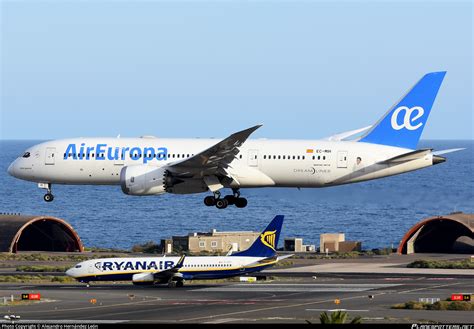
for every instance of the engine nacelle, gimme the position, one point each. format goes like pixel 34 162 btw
pixel 143 279
pixel 143 180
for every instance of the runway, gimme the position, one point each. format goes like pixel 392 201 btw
pixel 285 300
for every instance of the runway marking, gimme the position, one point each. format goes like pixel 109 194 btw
pixel 430 287
pixel 277 307
pixel 300 304
pixel 95 307
pixel 334 310
pixel 218 321
pixel 297 288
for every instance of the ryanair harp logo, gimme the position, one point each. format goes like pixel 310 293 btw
pixel 268 239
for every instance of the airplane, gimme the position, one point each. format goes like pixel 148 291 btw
pixel 155 166
pixel 175 270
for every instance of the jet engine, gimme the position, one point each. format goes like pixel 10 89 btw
pixel 143 180
pixel 143 279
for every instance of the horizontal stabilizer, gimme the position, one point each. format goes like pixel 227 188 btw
pixel 280 258
pixel 407 156
pixel 447 151
pixel 346 134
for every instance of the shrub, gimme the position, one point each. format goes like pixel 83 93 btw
pixel 149 247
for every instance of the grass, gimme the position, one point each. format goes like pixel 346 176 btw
pixel 50 258
pixel 438 306
pixel 42 268
pixel 38 278
pixel 450 264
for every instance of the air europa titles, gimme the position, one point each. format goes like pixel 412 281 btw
pixel 105 152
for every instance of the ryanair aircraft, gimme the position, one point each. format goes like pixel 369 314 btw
pixel 175 270
pixel 154 166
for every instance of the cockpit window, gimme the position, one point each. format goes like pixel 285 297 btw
pixel 78 266
pixel 26 155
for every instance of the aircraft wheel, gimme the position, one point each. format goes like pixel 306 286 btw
pixel 241 202
pixel 48 197
pixel 172 284
pixel 221 203
pixel 210 201
pixel 179 284
pixel 230 199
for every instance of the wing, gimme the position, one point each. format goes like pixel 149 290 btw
pixel 214 160
pixel 171 272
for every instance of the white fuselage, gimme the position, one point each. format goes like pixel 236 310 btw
pixel 142 269
pixel 260 162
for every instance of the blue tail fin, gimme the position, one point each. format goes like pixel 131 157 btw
pixel 265 245
pixel 403 124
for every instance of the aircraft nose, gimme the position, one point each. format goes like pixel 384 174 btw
pixel 11 169
pixel 70 272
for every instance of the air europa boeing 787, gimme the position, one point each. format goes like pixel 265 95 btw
pixel 154 166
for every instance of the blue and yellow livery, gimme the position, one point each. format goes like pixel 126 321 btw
pixel 175 270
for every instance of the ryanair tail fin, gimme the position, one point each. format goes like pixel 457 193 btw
pixel 403 124
pixel 265 245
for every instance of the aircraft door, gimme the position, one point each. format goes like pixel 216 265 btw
pixel 253 158
pixel 49 157
pixel 90 269
pixel 342 159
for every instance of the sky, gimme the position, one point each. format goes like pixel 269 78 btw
pixel 303 69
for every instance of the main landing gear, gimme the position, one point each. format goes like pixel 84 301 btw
pixel 175 284
pixel 48 197
pixel 228 200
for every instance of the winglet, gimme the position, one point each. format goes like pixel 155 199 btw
pixel 180 262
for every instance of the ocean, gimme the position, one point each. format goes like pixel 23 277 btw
pixel 377 212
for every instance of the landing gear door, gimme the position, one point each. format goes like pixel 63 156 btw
pixel 342 159
pixel 253 158
pixel 49 156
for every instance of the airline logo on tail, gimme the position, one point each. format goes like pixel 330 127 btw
pixel 268 239
pixel 408 119
pixel 403 124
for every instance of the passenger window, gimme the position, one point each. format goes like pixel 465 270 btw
pixel 298 157
pixel 324 157
pixel 264 157
pixel 284 157
pixel 303 157
pixel 279 157
pixel 294 157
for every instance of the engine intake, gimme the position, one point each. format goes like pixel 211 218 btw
pixel 143 180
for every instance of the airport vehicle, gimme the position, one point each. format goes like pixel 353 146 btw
pixel 175 270
pixel 155 166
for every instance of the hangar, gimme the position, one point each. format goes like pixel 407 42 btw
pixel 37 233
pixel 453 233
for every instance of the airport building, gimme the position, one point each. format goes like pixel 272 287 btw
pixel 452 233
pixel 335 242
pixel 296 245
pixel 214 241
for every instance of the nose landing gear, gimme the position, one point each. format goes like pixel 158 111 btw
pixel 48 197
pixel 222 203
